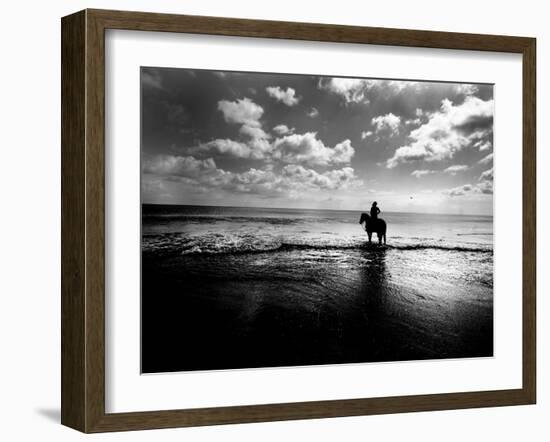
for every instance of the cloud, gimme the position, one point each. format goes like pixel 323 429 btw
pixel 486 159
pixel 460 190
pixel 487 175
pixel 329 180
pixel 418 120
pixel 483 145
pixel 484 186
pixel 282 129
pixel 291 179
pixel 255 148
pixel 290 148
pixel 449 130
pixel 253 132
pixel 257 144
pixel 287 97
pixel 357 90
pixel 352 90
pixel 241 111
pixel 308 149
pixel 453 170
pixel 312 113
pixel 366 134
pixel 388 122
pixel 421 173
pixel 466 89
pixel 187 166
pixel 395 87
pixel 247 113
pixel 224 146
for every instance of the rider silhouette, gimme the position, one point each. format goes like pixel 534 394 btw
pixel 374 210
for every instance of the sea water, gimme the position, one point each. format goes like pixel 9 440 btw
pixel 309 284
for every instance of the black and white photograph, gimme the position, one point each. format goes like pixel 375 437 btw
pixel 296 220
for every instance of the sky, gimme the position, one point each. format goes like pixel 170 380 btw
pixel 309 141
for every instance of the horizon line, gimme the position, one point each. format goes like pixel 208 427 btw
pixel 311 208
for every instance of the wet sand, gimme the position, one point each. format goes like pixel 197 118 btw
pixel 308 307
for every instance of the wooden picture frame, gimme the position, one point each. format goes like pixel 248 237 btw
pixel 83 220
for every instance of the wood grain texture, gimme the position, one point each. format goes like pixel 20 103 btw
pixel 73 258
pixel 83 220
pixel 145 21
pixel 95 222
pixel 530 220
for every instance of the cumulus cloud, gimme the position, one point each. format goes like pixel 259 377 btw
pixel 357 90
pixel 388 122
pixel 453 170
pixel 466 89
pixel 487 175
pixel 484 186
pixel 308 149
pixel 483 145
pixel 242 111
pixel 247 113
pixel 224 146
pixel 254 148
pixel 366 134
pixel 449 130
pixel 290 148
pixel 394 87
pixel 291 178
pixel 329 180
pixel 486 159
pixel 460 190
pixel 257 144
pixel 282 129
pixel 253 132
pixel 352 90
pixel 312 113
pixel 287 96
pixel 421 173
pixel 187 166
pixel 419 116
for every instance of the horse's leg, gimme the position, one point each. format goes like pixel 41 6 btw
pixel 379 238
pixel 370 235
pixel 384 238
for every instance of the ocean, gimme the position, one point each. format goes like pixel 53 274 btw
pixel 235 287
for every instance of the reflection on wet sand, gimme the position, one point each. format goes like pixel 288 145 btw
pixel 308 307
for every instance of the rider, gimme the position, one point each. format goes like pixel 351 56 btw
pixel 374 210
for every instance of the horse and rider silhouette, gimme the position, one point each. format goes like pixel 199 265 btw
pixel 374 224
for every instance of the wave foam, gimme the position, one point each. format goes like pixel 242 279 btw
pixel 214 244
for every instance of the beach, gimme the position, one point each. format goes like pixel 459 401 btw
pixel 228 288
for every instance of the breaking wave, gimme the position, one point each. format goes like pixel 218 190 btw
pixel 217 243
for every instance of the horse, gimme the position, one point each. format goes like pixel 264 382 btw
pixel 374 225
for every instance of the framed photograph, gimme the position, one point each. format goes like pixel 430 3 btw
pixel 268 220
